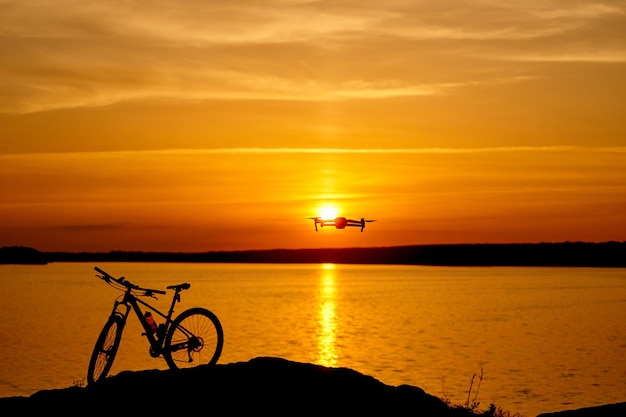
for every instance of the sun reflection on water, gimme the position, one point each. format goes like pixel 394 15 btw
pixel 327 333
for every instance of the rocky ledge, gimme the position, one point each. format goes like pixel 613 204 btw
pixel 261 386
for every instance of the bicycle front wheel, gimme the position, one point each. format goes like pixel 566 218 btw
pixel 194 338
pixel 105 349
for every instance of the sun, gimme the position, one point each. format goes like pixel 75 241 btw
pixel 328 211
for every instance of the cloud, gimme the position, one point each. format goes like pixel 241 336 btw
pixel 62 54
pixel 277 151
pixel 91 227
pixel 503 149
pixel 599 57
pixel 582 10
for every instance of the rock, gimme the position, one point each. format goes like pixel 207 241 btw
pixel 609 410
pixel 261 385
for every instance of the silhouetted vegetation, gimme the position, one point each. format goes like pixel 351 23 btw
pixel 606 254
pixel 472 406
pixel 22 255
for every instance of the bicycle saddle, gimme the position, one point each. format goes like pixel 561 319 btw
pixel 179 287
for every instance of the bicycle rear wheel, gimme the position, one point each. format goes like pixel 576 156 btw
pixel 105 349
pixel 194 338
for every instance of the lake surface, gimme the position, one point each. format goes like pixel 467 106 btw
pixel 546 339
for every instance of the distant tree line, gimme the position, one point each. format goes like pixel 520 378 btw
pixel 22 255
pixel 606 254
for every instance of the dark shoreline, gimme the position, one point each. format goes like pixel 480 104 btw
pixel 572 254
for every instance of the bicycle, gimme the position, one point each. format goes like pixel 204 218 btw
pixel 193 338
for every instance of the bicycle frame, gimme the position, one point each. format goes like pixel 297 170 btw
pixel 154 338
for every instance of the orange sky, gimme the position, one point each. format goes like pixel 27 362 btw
pixel 195 125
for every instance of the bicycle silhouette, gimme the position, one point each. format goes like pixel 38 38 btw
pixel 193 338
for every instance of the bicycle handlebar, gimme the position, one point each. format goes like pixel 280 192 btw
pixel 122 281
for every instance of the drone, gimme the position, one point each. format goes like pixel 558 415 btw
pixel 340 222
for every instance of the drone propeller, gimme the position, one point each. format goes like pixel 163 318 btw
pixel 316 220
pixel 363 221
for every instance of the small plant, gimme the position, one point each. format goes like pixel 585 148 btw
pixel 79 383
pixel 494 411
pixel 473 406
pixel 471 403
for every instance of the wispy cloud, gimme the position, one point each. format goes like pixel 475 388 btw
pixel 404 150
pixel 67 88
pixel 338 151
pixel 91 227
pixel 600 57
pixel 61 54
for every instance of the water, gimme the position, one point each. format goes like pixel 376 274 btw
pixel 546 339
